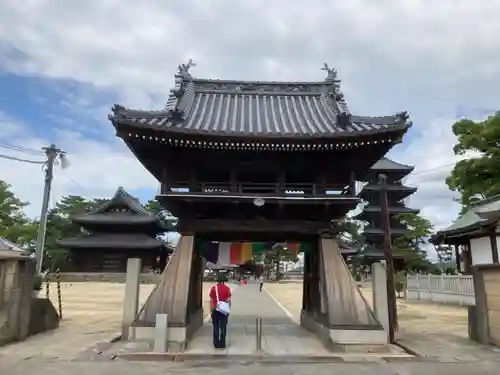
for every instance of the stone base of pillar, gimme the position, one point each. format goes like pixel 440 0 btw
pixel 336 338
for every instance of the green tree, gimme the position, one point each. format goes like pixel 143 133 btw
pixel 354 230
pixel 14 225
pixel 476 177
pixel 277 255
pixel 411 245
pixel 59 226
pixel 156 208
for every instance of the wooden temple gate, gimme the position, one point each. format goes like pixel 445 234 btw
pixel 260 161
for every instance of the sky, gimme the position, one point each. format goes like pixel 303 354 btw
pixel 63 64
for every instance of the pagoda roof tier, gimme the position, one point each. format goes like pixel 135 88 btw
pixel 112 241
pixel 254 110
pixel 121 209
pixel 377 234
pixel 369 211
pixel 374 253
pixel 394 191
pixel 388 165
pixel 394 170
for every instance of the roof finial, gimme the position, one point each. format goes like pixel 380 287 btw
pixel 184 68
pixel 332 73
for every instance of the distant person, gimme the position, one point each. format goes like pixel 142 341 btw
pixel 261 282
pixel 220 303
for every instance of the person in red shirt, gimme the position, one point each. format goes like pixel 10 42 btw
pixel 219 319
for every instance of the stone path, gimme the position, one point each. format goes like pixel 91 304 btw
pixel 280 334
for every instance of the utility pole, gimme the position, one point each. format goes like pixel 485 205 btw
pixel 387 246
pixel 52 153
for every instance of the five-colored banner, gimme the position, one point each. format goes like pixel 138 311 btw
pixel 225 253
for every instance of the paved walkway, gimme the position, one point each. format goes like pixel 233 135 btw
pixel 280 334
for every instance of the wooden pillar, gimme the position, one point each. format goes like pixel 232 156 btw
pixel 391 292
pixel 306 282
pixel 458 258
pixel 467 258
pixel 493 245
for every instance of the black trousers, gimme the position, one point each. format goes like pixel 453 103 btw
pixel 219 321
pixel 260 287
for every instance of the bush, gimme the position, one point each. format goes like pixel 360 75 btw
pixel 37 283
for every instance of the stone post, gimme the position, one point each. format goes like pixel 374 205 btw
pixel 161 334
pixel 484 317
pixel 131 300
pixel 379 290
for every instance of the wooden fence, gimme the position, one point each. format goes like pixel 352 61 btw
pixel 452 289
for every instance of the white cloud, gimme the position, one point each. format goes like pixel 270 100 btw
pixel 427 57
pixel 97 167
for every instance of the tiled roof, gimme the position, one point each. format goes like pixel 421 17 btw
pixel 5 244
pixel 386 164
pixel 475 217
pixel 117 241
pixel 121 197
pixel 265 109
pixel 397 191
pixel 392 210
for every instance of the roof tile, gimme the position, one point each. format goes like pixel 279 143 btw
pixel 300 109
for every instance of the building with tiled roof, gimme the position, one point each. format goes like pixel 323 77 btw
pixel 120 229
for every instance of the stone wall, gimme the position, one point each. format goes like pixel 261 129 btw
pixel 484 319
pixel 16 286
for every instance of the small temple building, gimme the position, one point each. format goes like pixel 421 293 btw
pixel 397 192
pixel 120 229
pixel 475 235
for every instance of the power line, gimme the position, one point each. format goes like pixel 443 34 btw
pixel 21 149
pixel 72 180
pixel 433 169
pixel 8 157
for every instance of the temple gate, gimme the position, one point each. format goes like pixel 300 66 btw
pixel 260 161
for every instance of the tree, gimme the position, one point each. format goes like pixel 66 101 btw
pixel 410 246
pixel 476 177
pixel 278 254
pixel 14 225
pixel 156 208
pixel 354 230
pixel 59 226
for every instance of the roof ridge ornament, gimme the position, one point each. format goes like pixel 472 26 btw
pixel 184 68
pixel 332 72
pixel 334 93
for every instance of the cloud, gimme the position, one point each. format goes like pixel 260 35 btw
pixel 433 59
pixel 96 169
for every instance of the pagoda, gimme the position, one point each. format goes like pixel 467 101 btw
pixel 120 229
pixel 397 192
pixel 260 161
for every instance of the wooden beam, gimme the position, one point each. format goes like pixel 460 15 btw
pixel 201 226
